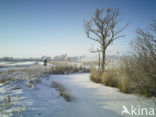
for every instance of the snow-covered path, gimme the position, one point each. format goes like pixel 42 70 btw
pixel 96 100
pixel 90 99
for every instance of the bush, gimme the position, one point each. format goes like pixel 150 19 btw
pixel 139 78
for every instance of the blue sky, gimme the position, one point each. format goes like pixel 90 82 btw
pixel 33 28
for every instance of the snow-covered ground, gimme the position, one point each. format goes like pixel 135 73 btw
pixel 96 100
pixel 17 63
pixel 90 99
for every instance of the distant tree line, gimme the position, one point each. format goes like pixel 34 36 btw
pixel 64 57
pixel 11 59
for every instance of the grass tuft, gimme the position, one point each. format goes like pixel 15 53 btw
pixel 63 92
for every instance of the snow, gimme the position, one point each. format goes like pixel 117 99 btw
pixel 90 99
pixel 24 63
pixel 98 100
pixel 17 63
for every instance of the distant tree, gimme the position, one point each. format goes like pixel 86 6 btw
pixel 99 56
pixel 62 57
pixel 102 28
pixel 7 59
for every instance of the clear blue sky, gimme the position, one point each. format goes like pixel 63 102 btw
pixel 33 28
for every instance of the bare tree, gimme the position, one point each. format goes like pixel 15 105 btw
pixel 102 28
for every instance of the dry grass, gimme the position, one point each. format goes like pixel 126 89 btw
pixel 67 69
pixel 6 102
pixel 130 77
pixel 3 80
pixel 63 92
pixel 112 77
pixel 124 84
pixel 109 77
pixel 58 63
pixel 96 75
pixel 62 70
pixel 31 75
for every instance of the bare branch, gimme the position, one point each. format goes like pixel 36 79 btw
pixel 103 26
pixel 95 51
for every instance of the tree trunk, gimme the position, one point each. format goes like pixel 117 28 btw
pixel 103 60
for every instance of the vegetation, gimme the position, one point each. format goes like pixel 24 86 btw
pixel 67 69
pixel 102 28
pixel 3 80
pixel 141 66
pixel 112 77
pixel 63 92
pixel 10 59
pixel 64 57
pixel 137 72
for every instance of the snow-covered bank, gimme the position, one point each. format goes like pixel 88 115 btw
pixel 4 66
pixel 90 99
pixel 96 100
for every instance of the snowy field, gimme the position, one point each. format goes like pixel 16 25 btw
pixel 4 66
pixel 90 99
pixel 17 63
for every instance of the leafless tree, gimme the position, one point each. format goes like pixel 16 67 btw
pixel 102 28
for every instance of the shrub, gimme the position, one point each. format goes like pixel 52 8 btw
pixel 140 80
